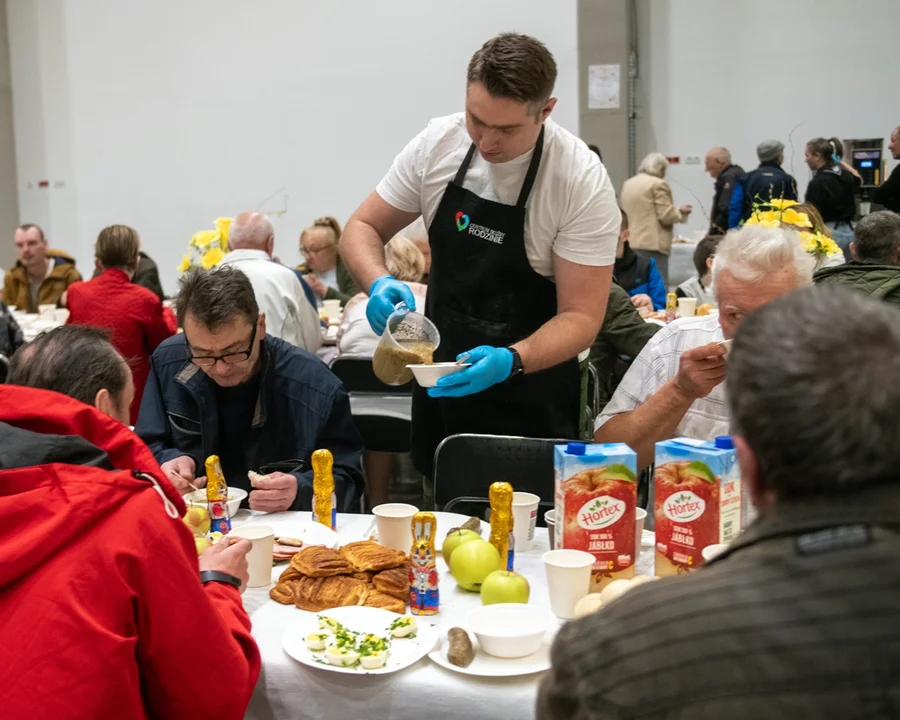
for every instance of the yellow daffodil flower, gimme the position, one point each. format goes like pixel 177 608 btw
pixel 185 264
pixel 223 225
pixel 764 222
pixel 212 258
pixel 204 238
pixel 782 204
pixel 797 219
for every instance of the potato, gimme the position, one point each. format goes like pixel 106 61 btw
pixel 587 605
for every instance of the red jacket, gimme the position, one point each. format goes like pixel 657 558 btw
pixel 135 316
pixel 102 614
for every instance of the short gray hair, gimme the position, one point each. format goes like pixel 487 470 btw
pixel 813 387
pixel 877 237
pixel 216 297
pixel 654 164
pixel 754 251
pixel 721 153
pixel 250 230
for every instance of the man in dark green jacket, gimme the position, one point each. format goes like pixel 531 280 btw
pixel 624 333
pixel 875 269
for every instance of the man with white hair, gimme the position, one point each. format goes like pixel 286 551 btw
pixel 674 387
pixel 727 176
pixel 278 292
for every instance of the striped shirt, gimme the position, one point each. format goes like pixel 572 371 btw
pixel 658 364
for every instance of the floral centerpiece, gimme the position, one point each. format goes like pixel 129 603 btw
pixel 777 213
pixel 207 248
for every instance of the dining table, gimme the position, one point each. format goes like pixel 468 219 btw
pixel 289 690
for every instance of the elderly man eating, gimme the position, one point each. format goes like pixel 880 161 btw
pixel 674 387
pixel 224 387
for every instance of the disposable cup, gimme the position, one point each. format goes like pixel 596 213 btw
pixel 568 579
pixel 525 510
pixel 550 519
pixel 394 523
pixel 687 307
pixel 259 559
pixel 640 516
pixel 332 308
pixel 712 551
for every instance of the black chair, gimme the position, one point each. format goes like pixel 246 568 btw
pixel 466 465
pixel 381 412
pixel 4 368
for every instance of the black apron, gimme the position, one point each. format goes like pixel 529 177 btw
pixel 483 291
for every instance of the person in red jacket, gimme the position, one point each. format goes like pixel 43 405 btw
pixel 102 612
pixel 133 314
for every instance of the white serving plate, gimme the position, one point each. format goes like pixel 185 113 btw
pixel 311 533
pixel 485 665
pixel 404 651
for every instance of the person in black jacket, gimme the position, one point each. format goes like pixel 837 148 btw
pixel 832 190
pixel 727 175
pixel 769 181
pixel 224 387
pixel 888 193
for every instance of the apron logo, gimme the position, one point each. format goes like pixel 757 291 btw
pixel 462 221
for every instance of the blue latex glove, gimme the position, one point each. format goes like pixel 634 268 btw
pixel 384 294
pixel 490 365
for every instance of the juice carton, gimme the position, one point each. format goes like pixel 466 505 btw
pixel 697 500
pixel 596 495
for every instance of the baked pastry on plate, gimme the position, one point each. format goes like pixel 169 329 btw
pixel 318 561
pixel 368 555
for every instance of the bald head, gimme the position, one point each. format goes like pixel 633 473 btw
pixel 252 231
pixel 717 159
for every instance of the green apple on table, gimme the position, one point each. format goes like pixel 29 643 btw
pixel 472 561
pixel 503 586
pixel 198 520
pixel 454 539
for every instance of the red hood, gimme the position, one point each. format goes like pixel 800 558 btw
pixel 50 503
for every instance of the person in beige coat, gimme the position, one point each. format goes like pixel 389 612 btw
pixel 647 200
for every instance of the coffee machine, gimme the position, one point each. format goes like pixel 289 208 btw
pixel 868 159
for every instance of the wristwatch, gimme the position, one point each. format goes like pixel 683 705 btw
pixel 208 576
pixel 518 367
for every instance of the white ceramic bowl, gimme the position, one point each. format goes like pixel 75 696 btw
pixel 235 496
pixel 510 630
pixel 428 375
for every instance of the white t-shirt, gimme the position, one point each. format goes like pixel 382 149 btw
pixel 572 208
pixel 657 363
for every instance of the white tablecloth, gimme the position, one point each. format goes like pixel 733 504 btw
pixel 287 689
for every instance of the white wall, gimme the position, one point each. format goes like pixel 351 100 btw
pixel 166 114
pixel 734 74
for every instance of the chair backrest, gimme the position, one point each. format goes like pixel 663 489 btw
pixel 466 465
pixel 4 368
pixel 355 371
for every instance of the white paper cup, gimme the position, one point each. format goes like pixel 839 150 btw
pixel 550 519
pixel 640 516
pixel 568 579
pixel 525 510
pixel 394 523
pixel 332 308
pixel 711 551
pixel 687 307
pixel 259 559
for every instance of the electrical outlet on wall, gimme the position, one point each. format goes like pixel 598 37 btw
pixel 691 159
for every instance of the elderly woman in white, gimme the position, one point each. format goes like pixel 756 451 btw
pixel 675 386
pixel 647 200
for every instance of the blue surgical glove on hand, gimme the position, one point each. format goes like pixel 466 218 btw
pixel 384 294
pixel 490 365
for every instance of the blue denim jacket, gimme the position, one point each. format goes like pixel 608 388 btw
pixel 301 403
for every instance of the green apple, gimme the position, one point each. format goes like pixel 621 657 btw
pixel 197 519
pixel 472 562
pixel 503 586
pixel 454 539
pixel 202 543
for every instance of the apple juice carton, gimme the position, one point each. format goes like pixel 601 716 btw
pixel 596 495
pixel 697 500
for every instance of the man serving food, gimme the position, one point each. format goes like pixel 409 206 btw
pixel 522 223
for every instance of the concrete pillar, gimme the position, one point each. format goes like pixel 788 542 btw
pixel 9 202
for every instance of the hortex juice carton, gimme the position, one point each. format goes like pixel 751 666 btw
pixel 596 494
pixel 697 500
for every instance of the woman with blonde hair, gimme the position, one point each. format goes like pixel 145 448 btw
pixel 647 200
pixel 323 269
pixel 133 314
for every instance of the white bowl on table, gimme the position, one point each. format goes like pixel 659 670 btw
pixel 235 497
pixel 428 375
pixel 510 630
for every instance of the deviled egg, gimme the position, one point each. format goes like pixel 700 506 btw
pixel 403 627
pixel 374 660
pixel 315 641
pixel 341 656
pixel 330 624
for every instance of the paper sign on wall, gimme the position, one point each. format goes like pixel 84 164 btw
pixel 603 87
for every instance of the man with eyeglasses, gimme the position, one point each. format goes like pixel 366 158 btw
pixel 224 387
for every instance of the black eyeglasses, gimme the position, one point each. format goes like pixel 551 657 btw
pixel 207 361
